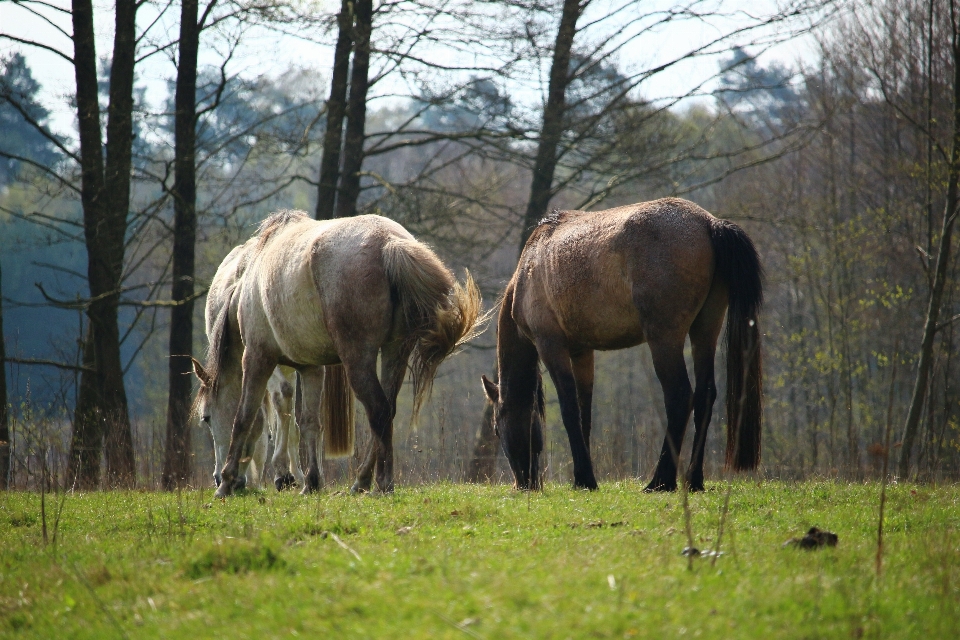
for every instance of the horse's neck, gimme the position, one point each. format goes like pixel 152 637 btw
pixel 516 357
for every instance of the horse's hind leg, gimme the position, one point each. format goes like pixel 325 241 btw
pixel 365 472
pixel 583 374
pixel 672 373
pixel 559 365
pixel 703 338
pixel 393 368
pixel 361 370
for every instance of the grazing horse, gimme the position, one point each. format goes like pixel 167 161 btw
pixel 653 272
pixel 276 415
pixel 276 412
pixel 325 298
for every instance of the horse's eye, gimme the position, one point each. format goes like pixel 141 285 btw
pixel 205 419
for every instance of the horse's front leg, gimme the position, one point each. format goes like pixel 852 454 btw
pixel 256 372
pixel 556 357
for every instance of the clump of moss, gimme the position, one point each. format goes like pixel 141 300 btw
pixel 232 556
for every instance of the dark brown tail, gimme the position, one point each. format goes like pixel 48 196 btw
pixel 336 412
pixel 440 313
pixel 738 264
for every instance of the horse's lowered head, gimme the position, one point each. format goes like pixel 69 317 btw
pixel 212 411
pixel 518 422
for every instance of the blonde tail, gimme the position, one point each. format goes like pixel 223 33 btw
pixel 440 313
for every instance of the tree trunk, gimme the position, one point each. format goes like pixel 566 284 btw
pixel 86 446
pixel 541 185
pixel 336 107
pixel 951 210
pixel 177 452
pixel 357 112
pixel 105 195
pixel 4 419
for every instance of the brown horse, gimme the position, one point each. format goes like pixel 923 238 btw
pixel 315 295
pixel 653 272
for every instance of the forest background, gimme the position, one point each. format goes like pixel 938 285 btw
pixel 829 130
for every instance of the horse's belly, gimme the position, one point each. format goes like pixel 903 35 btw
pixel 614 327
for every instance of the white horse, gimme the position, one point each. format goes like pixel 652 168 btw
pixel 326 298
pixel 276 414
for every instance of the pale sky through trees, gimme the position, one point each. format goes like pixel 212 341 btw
pixel 270 52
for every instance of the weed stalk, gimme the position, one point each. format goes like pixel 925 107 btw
pixel 736 439
pixel 886 457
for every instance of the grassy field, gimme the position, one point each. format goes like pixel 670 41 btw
pixel 452 561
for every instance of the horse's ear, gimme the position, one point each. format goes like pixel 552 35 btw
pixel 492 389
pixel 200 372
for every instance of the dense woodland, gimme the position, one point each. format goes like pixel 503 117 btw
pixel 467 122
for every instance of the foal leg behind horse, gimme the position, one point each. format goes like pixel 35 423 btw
pixel 677 396
pixel 558 362
pixel 286 459
pixel 312 388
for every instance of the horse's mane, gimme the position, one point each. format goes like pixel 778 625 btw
pixel 551 218
pixel 276 221
pixel 216 353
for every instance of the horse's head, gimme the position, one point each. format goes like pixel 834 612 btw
pixel 518 422
pixel 211 407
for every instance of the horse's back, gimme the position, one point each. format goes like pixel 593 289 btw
pixel 309 273
pixel 221 287
pixel 612 279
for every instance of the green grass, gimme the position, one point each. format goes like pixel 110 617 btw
pixel 452 561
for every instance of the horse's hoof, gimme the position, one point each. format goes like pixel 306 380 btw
pixel 311 483
pixel 590 484
pixel 222 491
pixel 360 487
pixel 657 486
pixel 284 481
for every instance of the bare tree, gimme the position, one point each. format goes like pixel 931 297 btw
pixel 336 110
pixel 177 454
pixel 941 271
pixel 356 111
pixel 4 416
pixel 105 194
